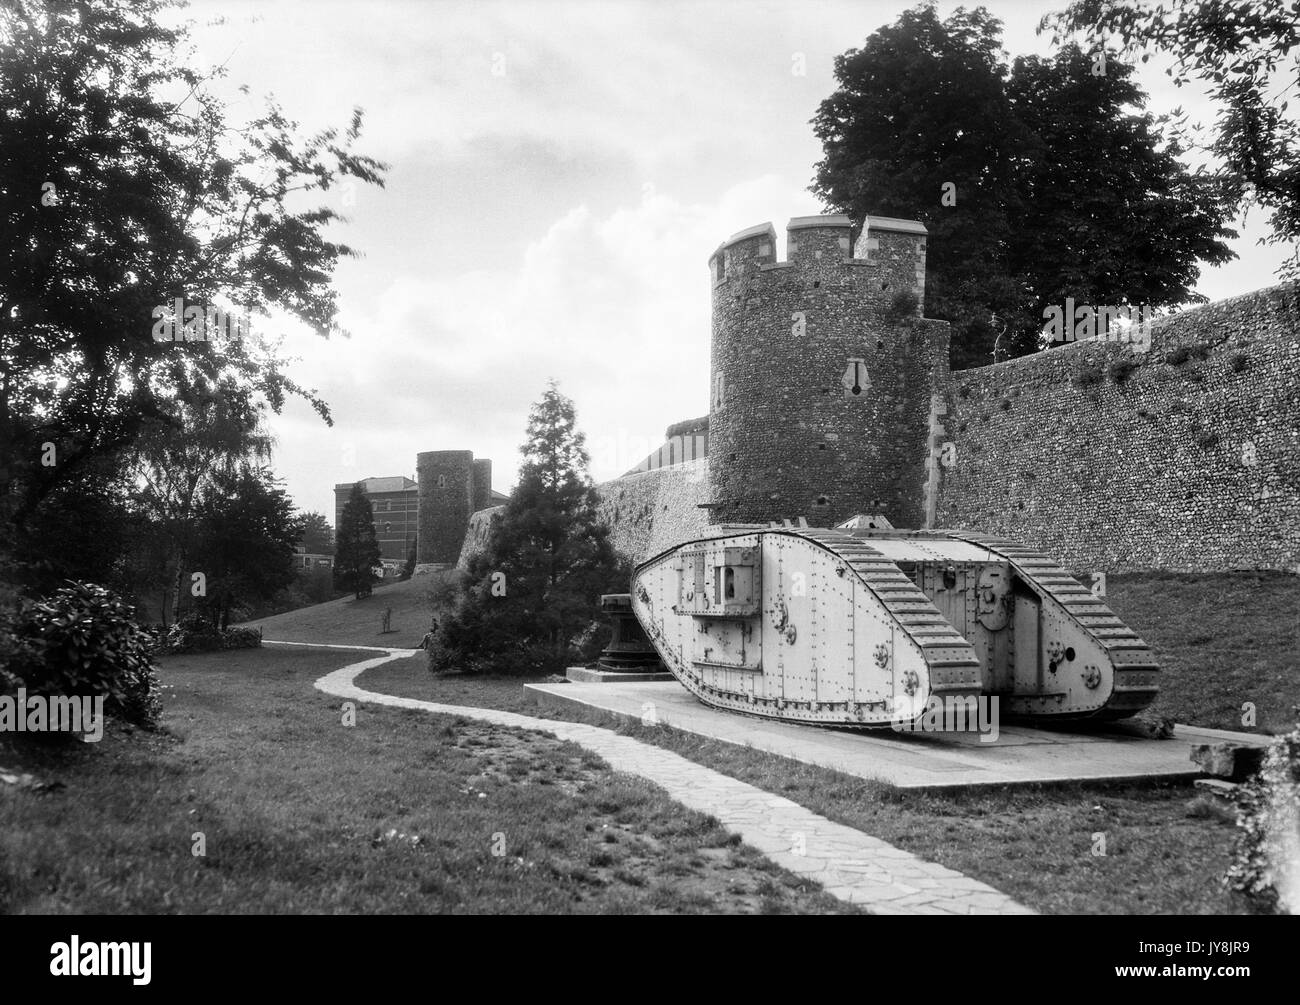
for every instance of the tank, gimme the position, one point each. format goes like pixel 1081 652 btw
pixel 863 624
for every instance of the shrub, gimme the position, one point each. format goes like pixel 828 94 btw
pixel 14 648
pixel 1089 376
pixel 191 635
pixel 904 305
pixel 1179 356
pixel 83 640
pixel 1268 818
pixel 1239 362
pixel 1121 369
pixel 1005 404
pixel 1207 439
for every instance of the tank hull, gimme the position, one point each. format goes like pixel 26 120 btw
pixel 867 627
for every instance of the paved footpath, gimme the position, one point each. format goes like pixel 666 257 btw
pixel 851 865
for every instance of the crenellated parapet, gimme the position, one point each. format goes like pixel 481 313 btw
pixel 882 258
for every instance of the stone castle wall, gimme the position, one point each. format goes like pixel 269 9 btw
pixel 651 511
pixel 647 512
pixel 1184 463
pixel 476 536
pixel 481 487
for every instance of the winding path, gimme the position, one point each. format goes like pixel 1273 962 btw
pixel 849 864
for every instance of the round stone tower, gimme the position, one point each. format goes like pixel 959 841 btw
pixel 446 496
pixel 822 371
pixel 482 484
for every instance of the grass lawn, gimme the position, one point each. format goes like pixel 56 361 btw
pixel 403 812
pixel 1165 847
pixel 1222 640
pixel 352 622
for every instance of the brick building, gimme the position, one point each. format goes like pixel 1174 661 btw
pixel 395 503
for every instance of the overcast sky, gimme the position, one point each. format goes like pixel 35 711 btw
pixel 560 173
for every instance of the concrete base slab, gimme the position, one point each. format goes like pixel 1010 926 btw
pixel 588 675
pixel 1020 755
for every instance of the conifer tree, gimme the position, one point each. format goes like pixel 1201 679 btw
pixel 533 592
pixel 356 550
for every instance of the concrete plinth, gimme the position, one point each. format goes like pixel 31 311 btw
pixel 1021 755
pixel 587 675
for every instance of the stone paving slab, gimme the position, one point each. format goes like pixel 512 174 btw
pixel 1020 755
pixel 850 865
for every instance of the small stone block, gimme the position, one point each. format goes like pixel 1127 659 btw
pixel 587 675
pixel 1228 760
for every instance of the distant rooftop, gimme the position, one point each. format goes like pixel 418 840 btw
pixel 371 486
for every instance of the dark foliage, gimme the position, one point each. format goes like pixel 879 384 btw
pixel 356 551
pixel 1038 161
pixel 531 600
pixel 83 640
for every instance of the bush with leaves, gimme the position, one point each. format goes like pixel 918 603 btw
pixel 1266 859
pixel 83 640
pixel 193 635
pixel 14 648
pixel 1089 375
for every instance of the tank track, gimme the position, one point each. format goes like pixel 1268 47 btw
pixel 953 667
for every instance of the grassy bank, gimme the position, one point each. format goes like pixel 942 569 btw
pixel 1222 640
pixel 352 622
pixel 403 812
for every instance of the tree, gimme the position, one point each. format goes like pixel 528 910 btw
pixel 356 552
pixel 922 105
pixel 84 532
pixel 1017 175
pixel 1106 212
pixel 1242 50
pixel 317 534
pixel 245 534
pixel 535 587
pixel 117 199
pixel 177 459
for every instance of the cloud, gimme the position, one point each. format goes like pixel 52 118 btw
pixel 614 306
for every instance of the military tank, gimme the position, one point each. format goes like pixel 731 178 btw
pixel 862 625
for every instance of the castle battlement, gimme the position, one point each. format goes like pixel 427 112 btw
pixel 886 255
